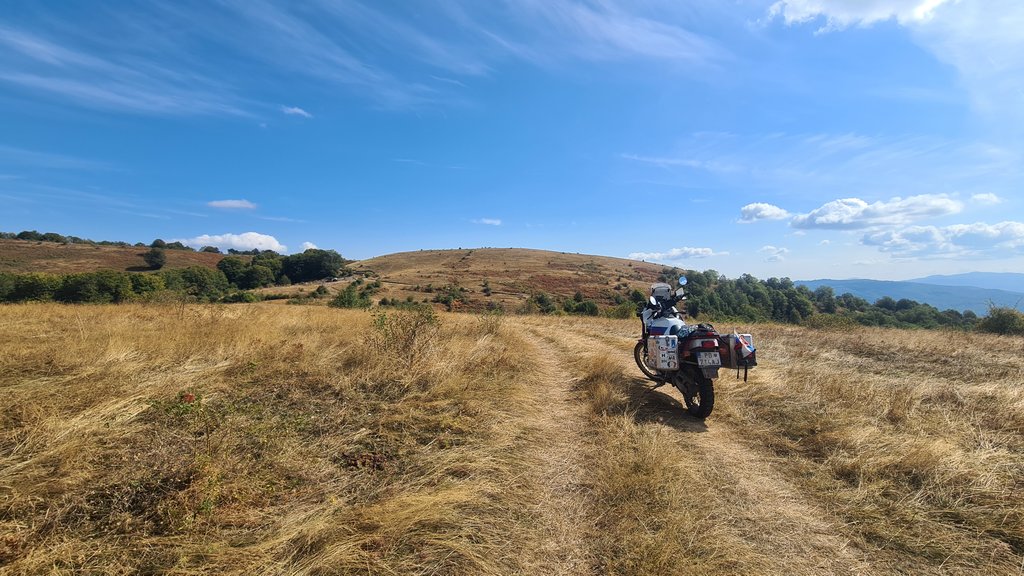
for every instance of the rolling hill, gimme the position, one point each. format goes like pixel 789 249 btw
pixel 942 297
pixel 23 256
pixel 511 274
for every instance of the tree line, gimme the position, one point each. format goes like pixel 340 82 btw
pixel 35 236
pixel 232 274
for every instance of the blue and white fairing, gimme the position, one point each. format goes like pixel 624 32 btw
pixel 664 326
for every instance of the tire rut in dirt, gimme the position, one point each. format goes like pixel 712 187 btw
pixel 771 525
pixel 558 469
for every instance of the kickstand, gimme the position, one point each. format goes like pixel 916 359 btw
pixel 658 384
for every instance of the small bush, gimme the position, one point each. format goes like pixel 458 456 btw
pixel 155 258
pixel 830 322
pixel 1002 320
pixel 350 298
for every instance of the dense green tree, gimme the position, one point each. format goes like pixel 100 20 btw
pixel 256 277
pixel 29 235
pixel 233 268
pixel 203 283
pixel 155 258
pixel 313 264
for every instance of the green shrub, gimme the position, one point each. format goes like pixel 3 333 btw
pixel 143 284
pixel 35 287
pixel 240 298
pixel 155 258
pixel 1002 320
pixel 350 297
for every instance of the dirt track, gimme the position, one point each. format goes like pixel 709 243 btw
pixel 769 526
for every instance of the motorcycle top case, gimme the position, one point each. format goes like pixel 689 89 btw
pixel 738 351
pixel 663 352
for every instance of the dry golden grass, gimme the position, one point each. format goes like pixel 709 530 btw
pixel 915 439
pixel 255 439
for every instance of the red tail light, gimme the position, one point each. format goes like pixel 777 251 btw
pixel 709 344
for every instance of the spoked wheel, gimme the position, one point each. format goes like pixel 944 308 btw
pixel 640 355
pixel 699 396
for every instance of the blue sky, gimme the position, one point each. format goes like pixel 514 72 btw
pixel 801 138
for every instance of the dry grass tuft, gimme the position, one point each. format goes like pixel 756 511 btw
pixel 914 438
pixel 603 382
pixel 255 439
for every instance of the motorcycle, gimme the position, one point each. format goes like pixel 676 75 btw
pixel 671 351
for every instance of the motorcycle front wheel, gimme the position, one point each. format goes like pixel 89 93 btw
pixel 639 354
pixel 701 399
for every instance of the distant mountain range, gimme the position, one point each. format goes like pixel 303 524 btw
pixel 973 291
pixel 1009 281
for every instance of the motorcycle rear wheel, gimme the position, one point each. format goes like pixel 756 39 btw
pixel 701 400
pixel 639 354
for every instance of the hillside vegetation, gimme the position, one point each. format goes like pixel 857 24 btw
pixel 23 256
pixel 489 279
pixel 171 439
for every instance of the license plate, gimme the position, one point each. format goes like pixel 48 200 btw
pixel 708 359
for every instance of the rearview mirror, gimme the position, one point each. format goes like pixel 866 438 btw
pixel 682 280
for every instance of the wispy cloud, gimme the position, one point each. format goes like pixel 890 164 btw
pixel 839 15
pixel 987 199
pixel 155 59
pixel 115 82
pixel 981 40
pixel 308 246
pixel 295 111
pixel 868 166
pixel 674 254
pixel 451 81
pixel 280 219
pixel 487 221
pixel 232 204
pixel 10 155
pixel 774 253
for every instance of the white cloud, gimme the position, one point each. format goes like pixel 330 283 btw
pixel 955 240
pixel 308 246
pixel 986 199
pixel 232 204
pixel 245 241
pixel 762 211
pixel 774 254
pixel 677 254
pixel 854 213
pixel 840 14
pixel 295 111
pixel 488 221
pixel 824 242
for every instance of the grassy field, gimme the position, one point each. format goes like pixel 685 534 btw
pixel 169 439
